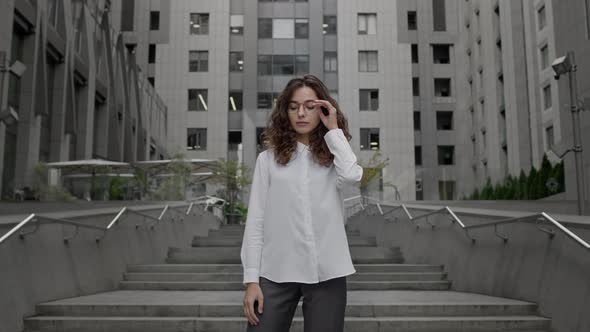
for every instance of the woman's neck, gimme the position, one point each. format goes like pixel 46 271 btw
pixel 303 139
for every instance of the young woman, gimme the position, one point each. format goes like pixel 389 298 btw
pixel 295 242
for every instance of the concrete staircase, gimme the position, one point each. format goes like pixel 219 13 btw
pixel 200 289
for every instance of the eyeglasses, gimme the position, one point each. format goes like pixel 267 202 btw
pixel 310 106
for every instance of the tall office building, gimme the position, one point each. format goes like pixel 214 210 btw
pixel 513 108
pixel 219 65
pixel 431 30
pixel 453 92
pixel 81 95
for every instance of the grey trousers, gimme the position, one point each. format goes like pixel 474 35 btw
pixel 323 307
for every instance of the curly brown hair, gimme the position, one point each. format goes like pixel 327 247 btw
pixel 280 137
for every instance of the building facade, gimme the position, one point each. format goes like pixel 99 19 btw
pixel 219 65
pixel 81 95
pixel 452 92
pixel 514 109
pixel 431 30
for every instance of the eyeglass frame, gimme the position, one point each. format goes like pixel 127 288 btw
pixel 299 106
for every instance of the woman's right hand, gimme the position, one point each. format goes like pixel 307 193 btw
pixel 253 294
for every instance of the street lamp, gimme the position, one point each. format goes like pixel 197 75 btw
pixel 9 116
pixel 567 65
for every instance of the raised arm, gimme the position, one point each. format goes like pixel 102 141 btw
pixel 344 158
pixel 253 237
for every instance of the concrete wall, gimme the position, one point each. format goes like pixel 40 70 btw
pixel 42 268
pixel 530 266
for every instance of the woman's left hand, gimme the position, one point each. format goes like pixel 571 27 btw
pixel 330 120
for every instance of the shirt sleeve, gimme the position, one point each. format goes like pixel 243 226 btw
pixel 251 250
pixel 345 160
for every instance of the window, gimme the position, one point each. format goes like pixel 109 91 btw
pixel 544 56
pixel 152 80
pixel 264 28
pixel 446 155
pixel 446 190
pixel 329 26
pixel 369 138
pixel 547 102
pixel 541 17
pixel 444 120
pixel 197 99
pixel 196 139
pixel 152 53
pixel 301 64
pixel 418 155
pixel 301 28
pixel 199 24
pixel 236 61
pixel 198 61
pixel 264 64
pixel 439 15
pixel 154 20
pixel 283 64
pixel 549 137
pixel 127 14
pixel 234 139
pixel 266 100
pixel 236 24
pixel 442 87
pixel 368 61
pixel 368 100
pixel 330 62
pixel 419 190
pixel 412 21
pixel 283 28
pixel 235 100
pixel 415 86
pixel 367 24
pixel 417 121
pixel 259 139
pixel 441 54
pixel 414 53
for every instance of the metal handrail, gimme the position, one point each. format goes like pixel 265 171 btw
pixel 537 217
pixel 38 219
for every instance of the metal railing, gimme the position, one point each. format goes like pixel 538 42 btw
pixel 537 218
pixel 39 219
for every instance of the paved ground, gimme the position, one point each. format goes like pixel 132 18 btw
pixel 12 213
pixel 549 206
pixel 7 208
pixel 235 297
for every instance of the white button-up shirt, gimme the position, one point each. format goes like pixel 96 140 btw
pixel 295 225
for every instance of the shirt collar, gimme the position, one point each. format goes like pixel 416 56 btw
pixel 302 147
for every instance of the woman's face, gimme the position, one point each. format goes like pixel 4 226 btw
pixel 303 113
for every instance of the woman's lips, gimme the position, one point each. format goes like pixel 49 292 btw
pixel 302 124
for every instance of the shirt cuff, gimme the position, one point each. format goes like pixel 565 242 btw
pixel 251 275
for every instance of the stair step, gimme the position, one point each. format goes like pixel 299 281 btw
pixel 240 232
pixel 228 241
pixel 237 285
pixel 232 255
pixel 237 276
pixel 236 309
pixel 229 268
pixel 230 324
